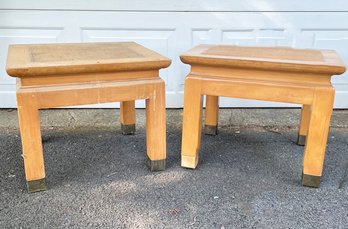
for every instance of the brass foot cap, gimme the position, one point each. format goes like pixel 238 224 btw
pixel 310 181
pixel 301 140
pixel 189 162
pixel 128 129
pixel 210 130
pixel 36 185
pixel 158 165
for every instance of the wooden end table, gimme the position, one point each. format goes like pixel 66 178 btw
pixel 57 75
pixel 272 74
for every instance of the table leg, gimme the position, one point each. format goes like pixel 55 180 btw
pixel 156 128
pixel 304 123
pixel 29 122
pixel 318 130
pixel 211 115
pixel 127 117
pixel 192 124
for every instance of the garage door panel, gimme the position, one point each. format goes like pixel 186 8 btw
pixel 18 35
pixel 21 36
pixel 171 33
pixel 182 6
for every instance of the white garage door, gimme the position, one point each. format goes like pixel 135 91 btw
pixel 172 27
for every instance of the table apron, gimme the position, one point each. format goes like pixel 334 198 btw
pixel 258 90
pixel 91 93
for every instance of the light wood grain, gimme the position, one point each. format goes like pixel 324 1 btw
pixel 304 122
pixel 127 112
pixel 265 58
pixel 256 89
pixel 58 75
pixel 56 59
pixel 89 93
pixel 86 77
pixel 211 113
pixel 156 123
pixel 29 123
pixel 271 74
pixel 192 123
pixel 318 130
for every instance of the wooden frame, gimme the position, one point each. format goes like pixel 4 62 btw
pixel 257 77
pixel 106 77
pixel 30 100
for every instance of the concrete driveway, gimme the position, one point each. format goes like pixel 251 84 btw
pixel 248 176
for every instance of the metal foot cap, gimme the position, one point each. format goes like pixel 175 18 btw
pixel 301 140
pixel 36 185
pixel 156 165
pixel 210 130
pixel 189 162
pixel 128 129
pixel 310 181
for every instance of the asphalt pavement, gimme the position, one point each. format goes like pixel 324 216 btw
pixel 248 175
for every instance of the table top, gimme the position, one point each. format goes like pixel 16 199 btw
pixel 54 59
pixel 266 58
